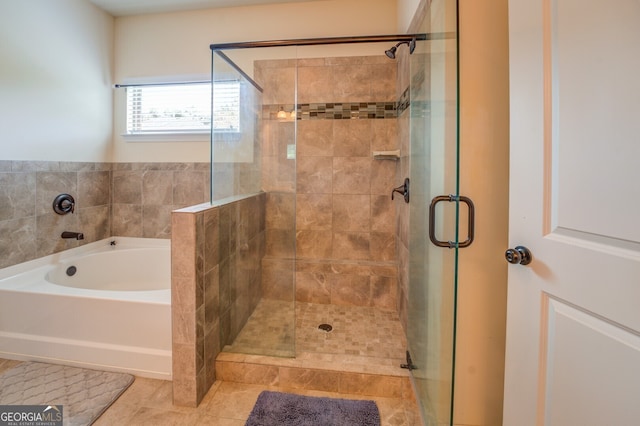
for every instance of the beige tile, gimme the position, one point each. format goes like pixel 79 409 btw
pixel 278 173
pixel 157 187
pixel 312 287
pixel 296 378
pixel 156 221
pixel 280 210
pixel 17 195
pixel 315 138
pixel 117 414
pixel 184 361
pixel 384 178
pixel 314 211
pixel 210 420
pixel 384 292
pixel 383 246
pixel 351 83
pixel 278 84
pixel 350 290
pixel 351 213
pixel 369 384
pixel 94 188
pixel 160 417
pixel 384 135
pixel 189 188
pixel 212 297
pixel 183 293
pixel 140 391
pixel 314 265
pixel 351 175
pixel 315 175
pixel 126 220
pixel 233 401
pixel 383 213
pixel 351 245
pixel 162 399
pixel 352 138
pixel 94 222
pixel 248 373
pixel 280 243
pixel 384 87
pixel 185 392
pixel 393 412
pixel 315 84
pixel 127 187
pixel 278 284
pixel 211 238
pixel 314 244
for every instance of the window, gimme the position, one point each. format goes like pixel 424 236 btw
pixel 182 108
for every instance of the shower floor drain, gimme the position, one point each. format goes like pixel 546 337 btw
pixel 325 327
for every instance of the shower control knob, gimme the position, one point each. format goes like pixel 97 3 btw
pixel 518 256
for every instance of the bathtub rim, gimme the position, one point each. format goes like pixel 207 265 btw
pixel 30 276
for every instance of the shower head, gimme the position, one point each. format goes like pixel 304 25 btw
pixel 391 53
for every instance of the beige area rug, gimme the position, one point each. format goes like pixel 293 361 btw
pixel 84 394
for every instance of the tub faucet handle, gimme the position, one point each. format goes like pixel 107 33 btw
pixel 63 204
pixel 73 235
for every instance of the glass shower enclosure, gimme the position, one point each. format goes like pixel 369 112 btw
pixel 271 152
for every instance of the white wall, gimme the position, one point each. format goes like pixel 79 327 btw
pixel 55 80
pixel 406 11
pixel 173 44
pixel 484 177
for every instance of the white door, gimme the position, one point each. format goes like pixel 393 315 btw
pixel 573 321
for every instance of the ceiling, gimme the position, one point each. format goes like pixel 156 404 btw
pixel 139 7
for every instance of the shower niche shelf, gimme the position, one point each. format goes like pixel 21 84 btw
pixel 387 155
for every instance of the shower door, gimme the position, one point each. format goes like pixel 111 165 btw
pixel 433 164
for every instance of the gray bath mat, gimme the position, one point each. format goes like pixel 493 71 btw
pixel 285 409
pixel 84 394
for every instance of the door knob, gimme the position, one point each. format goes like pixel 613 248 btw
pixel 518 256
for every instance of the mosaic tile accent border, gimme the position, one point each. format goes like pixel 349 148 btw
pixel 340 110
pixel 334 111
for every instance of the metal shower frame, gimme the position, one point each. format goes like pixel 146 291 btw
pixel 331 40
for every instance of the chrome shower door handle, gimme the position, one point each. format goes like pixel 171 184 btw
pixel 470 226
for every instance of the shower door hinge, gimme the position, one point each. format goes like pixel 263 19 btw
pixel 409 365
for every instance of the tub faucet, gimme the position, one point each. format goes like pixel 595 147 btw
pixel 76 235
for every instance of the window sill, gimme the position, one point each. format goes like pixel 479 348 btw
pixel 168 137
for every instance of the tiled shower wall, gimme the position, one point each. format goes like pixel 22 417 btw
pixel 344 233
pixel 112 199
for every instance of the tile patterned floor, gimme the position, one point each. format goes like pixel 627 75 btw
pixel 148 402
pixel 356 330
pixel 365 334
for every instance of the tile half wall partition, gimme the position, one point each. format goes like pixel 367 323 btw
pixel 216 281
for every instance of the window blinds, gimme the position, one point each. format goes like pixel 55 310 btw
pixel 183 108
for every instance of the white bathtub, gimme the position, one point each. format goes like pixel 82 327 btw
pixel 114 313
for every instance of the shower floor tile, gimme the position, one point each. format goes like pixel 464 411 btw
pixel 357 333
pixel 268 331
